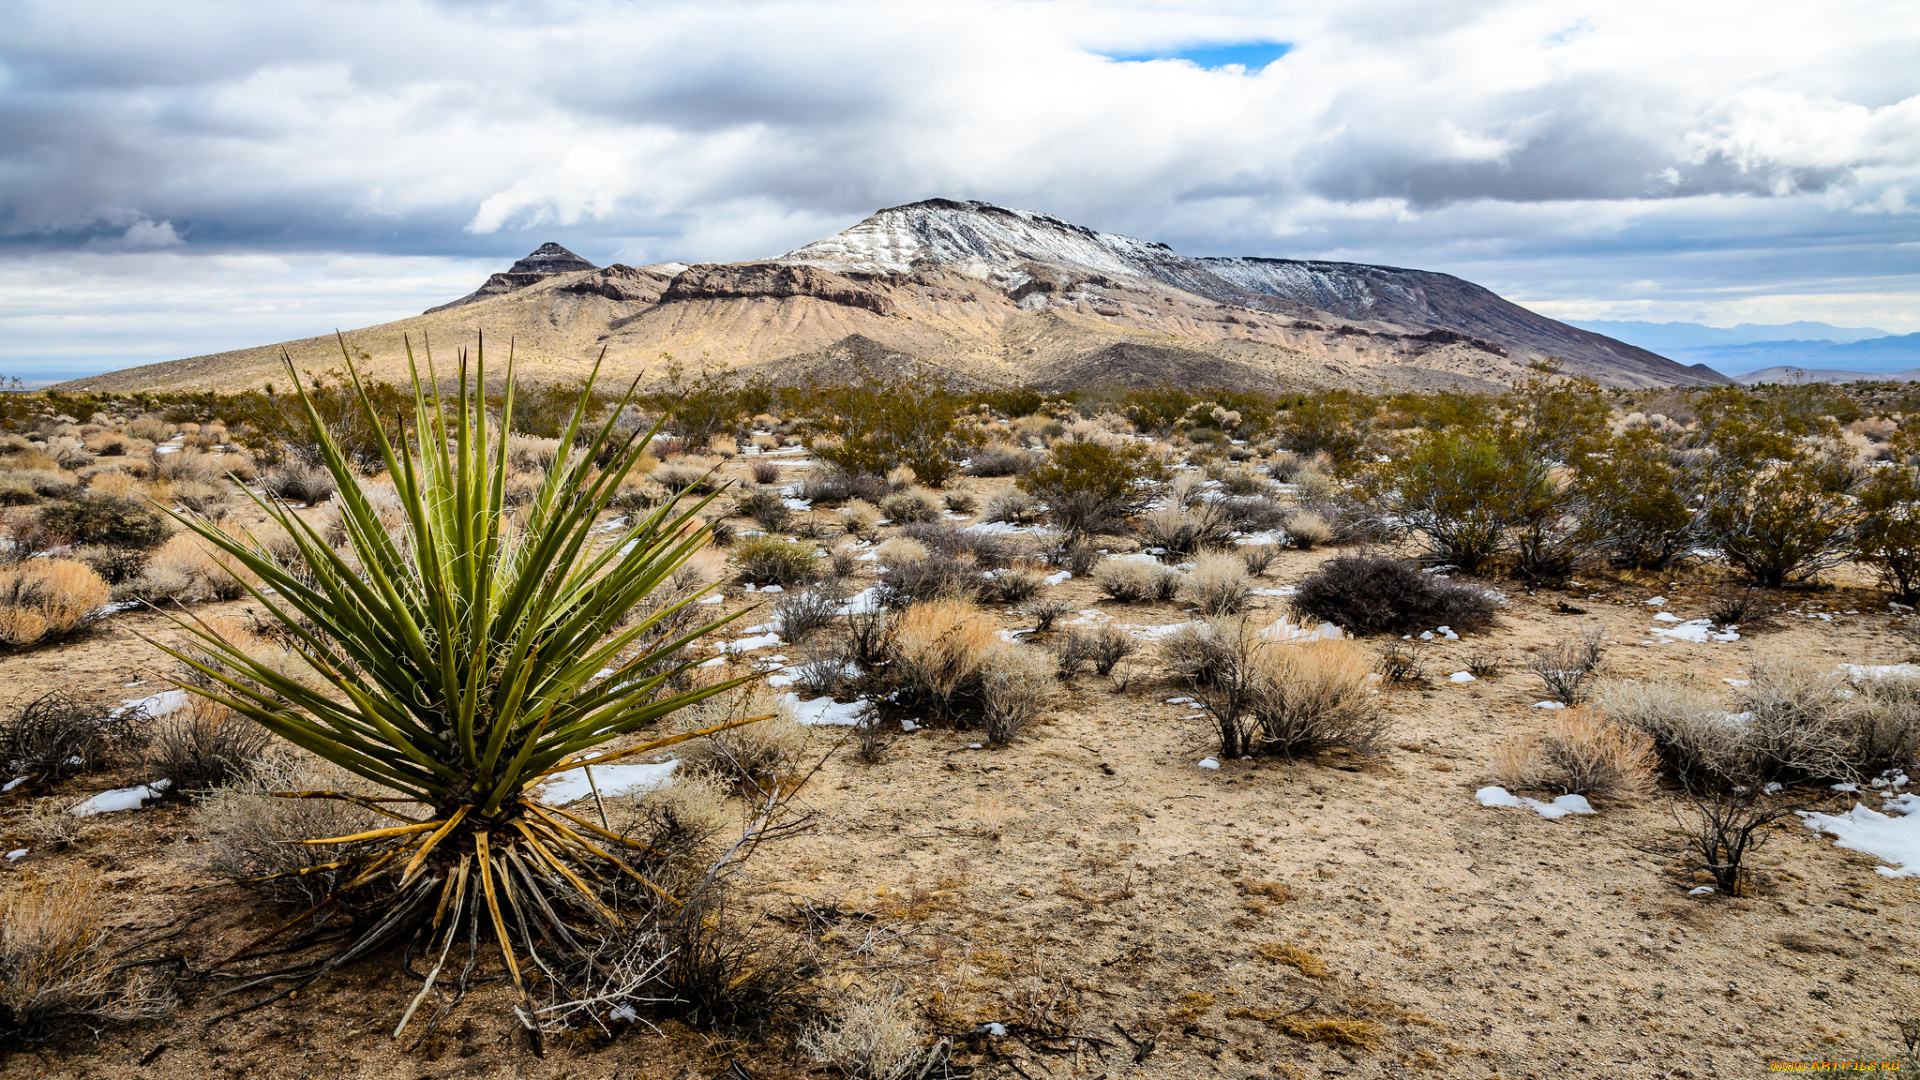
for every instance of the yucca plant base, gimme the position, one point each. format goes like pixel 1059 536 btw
pixel 463 657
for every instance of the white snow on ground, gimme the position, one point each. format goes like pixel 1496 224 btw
pixel 16 853
pixel 159 704
pixel 1462 677
pixel 1209 763
pixel 126 798
pixel 1549 705
pixel 1881 671
pixel 758 641
pixel 1283 590
pixel 1292 633
pixel 1666 616
pixel 1002 528
pixel 1276 537
pixel 1155 633
pixel 1558 808
pixel 861 603
pixel 1893 836
pixel 1655 601
pixel 13 783
pixel 1055 579
pixel 571 786
pixel 1698 631
pixel 825 711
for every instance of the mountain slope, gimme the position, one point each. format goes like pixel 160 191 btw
pixel 986 295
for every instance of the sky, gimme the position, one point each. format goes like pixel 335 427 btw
pixel 181 178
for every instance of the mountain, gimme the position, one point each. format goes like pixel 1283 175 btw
pixel 1665 337
pixel 984 296
pixel 1870 356
pixel 1795 375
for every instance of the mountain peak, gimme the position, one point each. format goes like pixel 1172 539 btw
pixel 550 258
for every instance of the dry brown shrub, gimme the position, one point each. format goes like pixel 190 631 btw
pixel 1136 581
pixel 900 551
pixel 1294 957
pixel 1016 683
pixel 757 754
pixel 876 1036
pixel 1687 723
pixel 113 482
pixel 1308 530
pixel 58 969
pixel 1218 584
pixel 1518 762
pixel 1316 695
pixel 939 648
pixel 186 569
pixel 47 598
pixel 204 745
pixel 860 516
pixel 249 832
pixel 1581 754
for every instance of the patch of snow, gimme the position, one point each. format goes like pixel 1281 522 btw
pixel 908 725
pixel 13 783
pixel 1276 537
pixel 571 786
pixel 1209 763
pixel 1701 891
pixel 797 504
pixel 1892 837
pixel 1156 633
pixel 1462 677
pixel 713 598
pixel 759 641
pixel 160 704
pixel 1698 631
pixel 1283 590
pixel 1552 811
pixel 1667 616
pixel 824 711
pixel 1288 632
pixel 1881 671
pixel 1549 705
pixel 1055 579
pixel 127 798
pixel 16 853
pixel 1655 601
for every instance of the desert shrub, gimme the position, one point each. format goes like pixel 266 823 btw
pixel 298 482
pixel 912 505
pixel 150 428
pixel 202 746
pixel 860 516
pixel 801 614
pixel 1881 724
pixel 1581 754
pixel 189 465
pixel 1736 609
pixel 938 649
pixel 1271 698
pixel 1089 487
pixel 1218 584
pixel 1792 723
pixel 1649 502
pixel 875 1036
pixel 961 502
pixel 47 598
pixel 1785 522
pixel 833 486
pixel 1308 529
pixel 1181 531
pixel 109 520
pixel 999 459
pixel 1014 584
pixel 935 575
pixel 874 427
pixel 251 835
pixel 1402 661
pixel 1046 611
pixel 765 506
pixel 1568 668
pixel 1473 498
pixel 1257 558
pixel 67 452
pixel 31 485
pixel 1719 831
pixel 57 735
pixel 202 498
pixel 751 756
pixel 115 566
pixel 1254 514
pixel 528 453
pixel 1335 424
pixel 1688 726
pixel 59 967
pixel 688 474
pixel 187 570
pixel 1888 536
pixel 1016 683
pixel 1372 594
pixel 765 472
pixel 900 549
pixel 772 560
pixel 1201 652
pixel 1106 646
pixel 945 538
pixel 1013 506
pixel 1136 581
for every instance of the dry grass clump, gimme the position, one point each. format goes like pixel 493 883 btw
pixel 687 473
pixel 772 560
pixel 203 745
pixel 1337 1030
pixel 859 516
pixel 1103 647
pixel 900 551
pixel 1136 581
pixel 298 482
pixel 1016 683
pixel 1688 724
pixel 1581 754
pixel 250 833
pixel 58 967
pixel 939 649
pixel 1014 507
pixel 1266 697
pixel 528 453
pixel 47 598
pixel 191 465
pixel 1218 584
pixel 757 754
pixel 57 735
pixel 1183 530
pixel 1568 669
pixel 1015 584
pixel 1307 529
pixel 1294 957
pixel 875 1036
pixel 187 570
pixel 912 505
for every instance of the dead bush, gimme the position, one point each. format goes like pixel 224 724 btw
pixel 1178 530
pixel 1045 612
pixel 1689 727
pixel 1258 558
pixel 1719 831
pixel 754 755
pixel 688 475
pixel 938 649
pixel 915 504
pixel 1580 754
pixel 1882 724
pixel 60 734
pixel 859 516
pixel 59 969
pixel 1270 698
pixel 1136 581
pixel 1016 683
pixel 937 575
pixel 1791 717
pixel 1373 594
pixel 1569 668
pixel 42 599
pixel 250 833
pixel 1218 584
pixel 203 745
pixel 875 1036
pixel 1014 507
pixel 801 614
pixel 961 502
pixel 295 481
pixel 1402 661
pixel 1014 584
pixel 1307 529
pixel 765 472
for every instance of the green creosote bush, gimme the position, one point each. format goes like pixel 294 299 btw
pixel 1089 487
pixel 1374 594
pixel 772 560
pixel 106 520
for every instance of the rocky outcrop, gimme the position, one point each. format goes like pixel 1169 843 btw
pixel 727 281
pixel 541 263
pixel 619 282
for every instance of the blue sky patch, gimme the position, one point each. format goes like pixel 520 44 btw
pixel 1251 55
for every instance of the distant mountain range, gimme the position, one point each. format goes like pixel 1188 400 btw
pixel 1765 353
pixel 983 296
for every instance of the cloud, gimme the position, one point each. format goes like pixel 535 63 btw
pixel 1590 146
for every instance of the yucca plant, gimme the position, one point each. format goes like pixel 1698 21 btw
pixel 463 659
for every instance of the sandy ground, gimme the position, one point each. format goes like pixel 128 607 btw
pixel 1091 876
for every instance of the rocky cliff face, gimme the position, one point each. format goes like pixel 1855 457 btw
pixel 545 261
pixel 724 281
